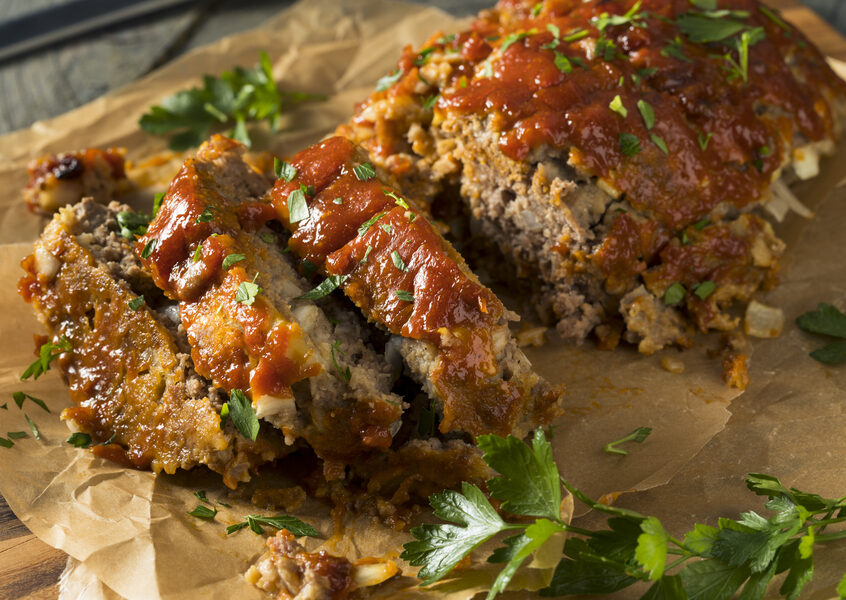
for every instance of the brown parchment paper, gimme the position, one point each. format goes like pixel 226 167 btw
pixel 127 531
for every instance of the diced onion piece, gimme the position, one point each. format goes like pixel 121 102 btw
pixel 763 321
pixel 806 162
pixel 672 364
pixel 273 405
pixel 374 573
pixel 45 263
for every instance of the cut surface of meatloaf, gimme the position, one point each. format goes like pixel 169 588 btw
pixel 131 380
pixel 617 154
pixel 384 253
pixel 250 329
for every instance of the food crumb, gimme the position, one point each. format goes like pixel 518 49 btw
pixel 531 336
pixel 672 364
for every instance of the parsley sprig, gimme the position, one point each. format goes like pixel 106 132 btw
pixel 237 96
pixel 712 562
pixel 46 355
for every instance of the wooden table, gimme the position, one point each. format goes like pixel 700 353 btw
pixel 48 83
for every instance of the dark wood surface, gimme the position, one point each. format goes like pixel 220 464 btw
pixel 57 79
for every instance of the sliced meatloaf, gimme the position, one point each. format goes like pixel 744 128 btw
pixel 241 304
pixel 381 249
pixel 132 383
pixel 618 154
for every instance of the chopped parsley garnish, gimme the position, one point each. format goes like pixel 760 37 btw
pixel 659 141
pixel 388 80
pixel 345 372
pixel 563 63
pixel 337 200
pixel 369 223
pixel 703 140
pixel 430 101
pixel 326 287
pixel 243 415
pixel 366 254
pixel 606 49
pixel 701 28
pixel 157 203
pixel 198 252
pixel 629 144
pixel 132 224
pixel 267 238
pixel 283 170
pixel 617 106
pixel 231 259
pixel 235 97
pixel 203 512
pixel 307 267
pixel 398 262
pixel 404 296
pixel 575 34
pixel 46 355
pixel 647 113
pixel 364 171
pixel 826 320
pixel 701 224
pixel 537 8
pixel 423 56
pixel 20 397
pixel 137 302
pixel 206 216
pixel 631 17
pixel 747 40
pixel 704 289
pixel 674 294
pixel 247 292
pixel 512 38
pixel 386 227
pixel 6 443
pixel 397 199
pixel 292 524
pixel 148 248
pixel 772 15
pixel 297 206
pixel 79 440
pixel 201 496
pixel 16 435
pixel 638 436
pixel 674 49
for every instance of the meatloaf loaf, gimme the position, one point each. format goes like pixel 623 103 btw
pixel 618 153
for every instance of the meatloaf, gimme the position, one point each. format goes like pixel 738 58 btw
pixel 619 155
pixel 133 385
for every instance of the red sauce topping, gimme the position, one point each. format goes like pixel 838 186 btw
pixel 247 346
pixel 402 274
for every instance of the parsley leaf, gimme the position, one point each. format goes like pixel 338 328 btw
pixel 369 223
pixel 388 80
pixel 638 435
pixel 79 440
pixel 364 171
pixel 345 372
pixel 243 415
pixel 326 287
pixel 235 97
pixel 659 141
pixel 404 295
pixel 826 320
pixel 617 106
pixel 147 251
pixel 46 355
pixel 647 113
pixel 701 28
pixel 398 262
pixel 231 259
pixel 283 170
pixel 247 292
pixel 674 294
pixel 20 397
pixel 203 512
pixel 132 224
pixel 292 524
pixel 629 144
pixel 512 38
pixel 136 303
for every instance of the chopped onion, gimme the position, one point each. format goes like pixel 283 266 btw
pixel 763 321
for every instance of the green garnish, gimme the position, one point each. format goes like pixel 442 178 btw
pixel 338 200
pixel 326 287
pixel 429 101
pixel 344 373
pixel 235 97
pixel 297 206
pixel 267 238
pixel 397 199
pixel 148 248
pixel 638 436
pixel 404 296
pixel 46 355
pixel 292 524
pixel 206 216
pixel 79 440
pixel 576 34
pixel 701 224
pixel 6 443
pixel 537 8
pixel 136 303
pixel 364 171
pixel 674 49
pixel 629 144
pixel 386 227
pixel 307 267
pixel 826 320
pixel 198 252
pixel 369 223
pixel 398 262
pixel 703 141
pixel 247 292
pixel 157 203
pixel 283 170
pixel 19 398
pixel 674 294
pixel 659 141
pixel 704 289
pixel 647 113
pixel 231 259
pixel 631 17
pixel 16 435
pixel 563 63
pixel 423 56
pixel 132 224
pixel 617 106
pixel 243 415
pixel 512 38
pixel 203 512
pixel 366 254
pixel 388 80
pixel 700 28
pixel 772 15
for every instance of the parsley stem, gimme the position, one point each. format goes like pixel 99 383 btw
pixel 675 563
pixel 829 537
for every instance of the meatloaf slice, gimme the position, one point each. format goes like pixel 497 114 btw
pixel 610 149
pixel 131 382
pixel 390 261
pixel 250 328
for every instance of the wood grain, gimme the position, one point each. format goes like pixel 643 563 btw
pixel 58 79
